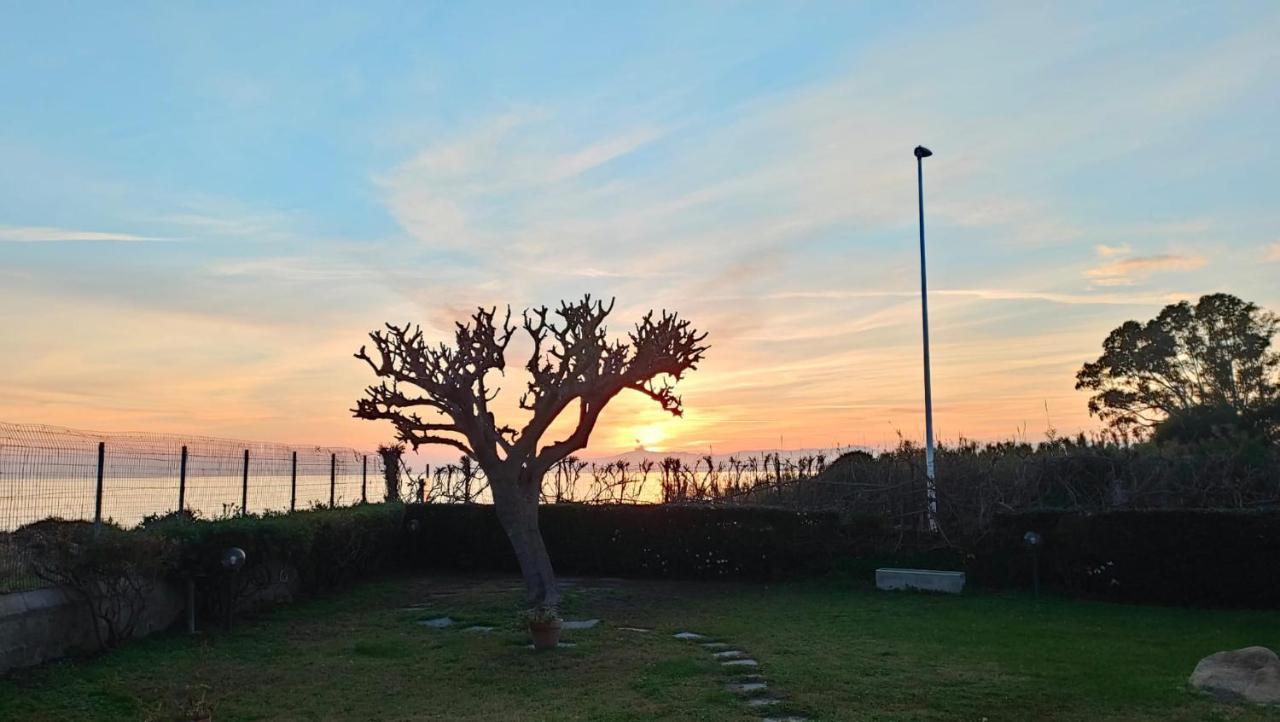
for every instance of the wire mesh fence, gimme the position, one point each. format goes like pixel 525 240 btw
pixel 52 472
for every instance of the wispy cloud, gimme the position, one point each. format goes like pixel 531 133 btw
pixel 50 234
pixel 1127 271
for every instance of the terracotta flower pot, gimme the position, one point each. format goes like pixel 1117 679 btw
pixel 546 635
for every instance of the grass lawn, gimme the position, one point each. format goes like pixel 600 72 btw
pixel 834 650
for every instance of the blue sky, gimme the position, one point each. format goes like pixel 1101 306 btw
pixel 204 207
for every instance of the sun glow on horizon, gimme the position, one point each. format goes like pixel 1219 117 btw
pixel 650 437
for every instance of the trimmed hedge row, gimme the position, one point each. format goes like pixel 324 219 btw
pixel 668 541
pixel 302 553
pixel 1187 558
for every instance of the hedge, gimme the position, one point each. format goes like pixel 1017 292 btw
pixel 1187 558
pixel 695 542
pixel 303 552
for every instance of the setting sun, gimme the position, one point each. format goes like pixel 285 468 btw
pixel 649 436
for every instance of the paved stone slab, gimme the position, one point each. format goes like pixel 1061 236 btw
pixel 730 654
pixel 688 635
pixel 746 687
pixel 635 629
pixel 715 645
pixel 579 623
pixel 437 623
pixel 762 701
pixel 479 628
pixel 740 663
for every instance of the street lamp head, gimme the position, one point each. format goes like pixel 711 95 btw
pixel 923 152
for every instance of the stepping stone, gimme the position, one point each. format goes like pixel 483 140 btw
pixel 762 701
pixel 688 635
pixel 752 678
pixel 479 628
pixel 730 654
pixel 561 645
pixel 745 687
pixel 785 719
pixel 579 624
pixel 635 629
pixel 715 645
pixel 437 623
pixel 740 663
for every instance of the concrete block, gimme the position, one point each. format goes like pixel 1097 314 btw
pixel 928 580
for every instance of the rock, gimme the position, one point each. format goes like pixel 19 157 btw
pixel 740 663
pixel 479 628
pixel 1251 674
pixel 730 654
pixel 688 635
pixel 635 629
pixel 437 623
pixel 746 687
pixel 763 701
pixel 715 645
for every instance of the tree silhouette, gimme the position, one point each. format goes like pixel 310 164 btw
pixel 1207 361
pixel 573 362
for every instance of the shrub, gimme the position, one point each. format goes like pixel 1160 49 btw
pixel 1193 558
pixel 669 541
pixel 326 548
pixel 112 570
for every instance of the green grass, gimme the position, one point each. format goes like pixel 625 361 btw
pixel 836 651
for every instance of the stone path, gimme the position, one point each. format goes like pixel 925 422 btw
pixel 579 624
pixel 753 689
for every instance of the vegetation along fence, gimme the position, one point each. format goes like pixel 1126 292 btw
pixel 50 472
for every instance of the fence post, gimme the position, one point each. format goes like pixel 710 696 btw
pixel 182 482
pixel 244 486
pixel 97 496
pixel 364 480
pixel 293 484
pixel 333 476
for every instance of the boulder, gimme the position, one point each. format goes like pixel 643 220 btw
pixel 1251 674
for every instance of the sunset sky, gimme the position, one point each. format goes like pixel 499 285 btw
pixel 205 207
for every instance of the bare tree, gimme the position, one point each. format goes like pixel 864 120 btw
pixel 573 362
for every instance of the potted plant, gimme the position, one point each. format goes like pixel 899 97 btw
pixel 544 626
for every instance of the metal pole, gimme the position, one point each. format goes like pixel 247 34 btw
pixel 244 486
pixel 182 482
pixel 364 480
pixel 293 484
pixel 930 487
pixel 97 496
pixel 333 477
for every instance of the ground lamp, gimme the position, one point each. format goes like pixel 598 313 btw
pixel 1032 540
pixel 413 526
pixel 233 559
pixel 931 490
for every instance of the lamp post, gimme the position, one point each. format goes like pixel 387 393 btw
pixel 931 489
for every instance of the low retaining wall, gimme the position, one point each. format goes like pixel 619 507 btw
pixel 46 624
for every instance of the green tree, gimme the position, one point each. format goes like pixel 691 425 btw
pixel 1191 364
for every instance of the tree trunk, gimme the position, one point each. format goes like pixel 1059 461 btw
pixel 517 510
